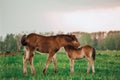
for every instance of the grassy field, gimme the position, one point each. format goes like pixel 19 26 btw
pixel 107 66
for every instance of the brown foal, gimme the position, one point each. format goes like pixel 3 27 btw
pixel 45 44
pixel 86 51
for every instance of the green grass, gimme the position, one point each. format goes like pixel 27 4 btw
pixel 107 66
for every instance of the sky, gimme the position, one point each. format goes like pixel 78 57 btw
pixel 18 16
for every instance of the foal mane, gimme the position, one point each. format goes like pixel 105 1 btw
pixel 67 37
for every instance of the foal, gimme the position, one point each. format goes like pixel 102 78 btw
pixel 86 51
pixel 45 44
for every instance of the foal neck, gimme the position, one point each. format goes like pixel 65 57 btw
pixel 61 42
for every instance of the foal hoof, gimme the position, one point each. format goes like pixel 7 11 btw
pixel 44 71
pixel 56 71
pixel 25 74
pixel 33 74
pixel 93 73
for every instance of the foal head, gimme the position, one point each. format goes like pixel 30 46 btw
pixel 75 42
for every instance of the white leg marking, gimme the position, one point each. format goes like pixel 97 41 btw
pixel 71 66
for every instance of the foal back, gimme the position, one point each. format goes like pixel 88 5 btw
pixel 41 43
pixel 88 51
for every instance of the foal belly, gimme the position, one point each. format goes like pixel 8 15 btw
pixel 43 50
pixel 79 57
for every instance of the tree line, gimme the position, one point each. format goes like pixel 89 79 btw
pixel 100 40
pixel 10 43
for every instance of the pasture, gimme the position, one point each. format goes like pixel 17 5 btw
pixel 107 67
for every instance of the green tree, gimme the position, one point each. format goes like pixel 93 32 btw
pixel 112 42
pixel 10 43
pixel 100 41
pixel 95 43
pixel 18 41
pixel 1 46
pixel 86 39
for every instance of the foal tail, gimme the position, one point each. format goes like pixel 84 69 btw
pixel 93 53
pixel 23 40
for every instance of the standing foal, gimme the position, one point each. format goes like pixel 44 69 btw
pixel 86 51
pixel 45 44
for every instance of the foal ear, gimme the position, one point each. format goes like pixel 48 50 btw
pixel 73 37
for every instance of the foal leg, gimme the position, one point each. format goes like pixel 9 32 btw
pixel 24 65
pixel 31 64
pixel 71 66
pixel 48 62
pixel 25 58
pixel 89 64
pixel 55 62
pixel 93 70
